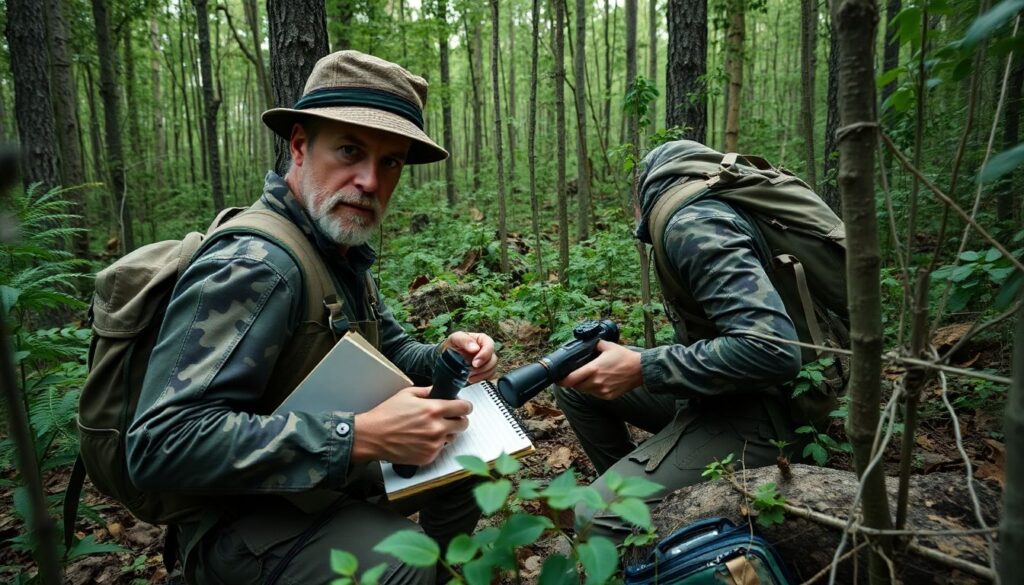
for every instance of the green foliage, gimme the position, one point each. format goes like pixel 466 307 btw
pixel 475 558
pixel 717 468
pixel 811 375
pixel 821 445
pixel 979 279
pixel 768 503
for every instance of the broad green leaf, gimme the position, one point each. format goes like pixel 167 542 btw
pixel 613 481
pixel 522 529
pixel 410 547
pixel 1002 163
pixel 638 487
pixel 461 549
pixel 986 24
pixel 633 510
pixel 958 300
pixel 993 254
pixel 487 536
pixel 586 494
pixel 599 559
pixel 507 464
pixel 970 256
pixel 817 452
pixel 998 275
pixel 771 516
pixel 558 570
pixel 478 572
pixel 529 489
pixel 8 297
pixel 89 546
pixel 372 575
pixel 1009 291
pixel 344 563
pixel 491 496
pixel 902 99
pixel 474 465
pixel 907 24
pixel 561 485
pixel 889 76
pixel 960 273
pixel 342 581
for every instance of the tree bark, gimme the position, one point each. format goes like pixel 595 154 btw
pixel 65 109
pixel 652 56
pixel 685 93
pixel 211 102
pixel 734 57
pixel 496 88
pixel 582 155
pixel 808 64
pixel 891 55
pixel 111 118
pixel 607 75
pixel 1006 202
pixel 855 22
pixel 1011 530
pixel 558 78
pixel 829 189
pixel 26 37
pixel 298 38
pixel 159 140
pixel 474 49
pixel 446 101
pixel 531 143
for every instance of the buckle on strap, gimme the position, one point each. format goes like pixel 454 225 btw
pixel 336 318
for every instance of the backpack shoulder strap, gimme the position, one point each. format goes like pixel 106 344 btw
pixel 316 278
pixel 666 206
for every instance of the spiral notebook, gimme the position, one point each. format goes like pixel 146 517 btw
pixel 355 377
pixel 493 430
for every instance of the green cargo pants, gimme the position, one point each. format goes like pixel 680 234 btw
pixel 688 434
pixel 248 547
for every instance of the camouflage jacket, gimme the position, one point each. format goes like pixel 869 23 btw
pixel 720 256
pixel 196 429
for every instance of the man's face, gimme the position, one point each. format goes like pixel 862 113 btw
pixel 346 178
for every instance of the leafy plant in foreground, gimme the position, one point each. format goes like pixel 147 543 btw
pixel 473 559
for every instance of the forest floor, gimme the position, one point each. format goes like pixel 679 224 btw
pixel 978 406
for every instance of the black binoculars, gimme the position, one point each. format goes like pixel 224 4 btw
pixel 450 374
pixel 520 385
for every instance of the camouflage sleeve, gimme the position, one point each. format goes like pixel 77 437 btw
pixel 194 429
pixel 412 357
pixel 713 249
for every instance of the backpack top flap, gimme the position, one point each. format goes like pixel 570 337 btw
pixel 128 291
pixel 759 188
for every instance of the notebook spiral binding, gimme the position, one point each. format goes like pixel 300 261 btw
pixel 508 413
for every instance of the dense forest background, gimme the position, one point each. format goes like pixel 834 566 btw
pixel 138 119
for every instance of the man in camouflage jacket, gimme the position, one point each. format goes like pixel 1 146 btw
pixel 702 400
pixel 204 425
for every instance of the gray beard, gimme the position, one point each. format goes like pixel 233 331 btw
pixel 350 231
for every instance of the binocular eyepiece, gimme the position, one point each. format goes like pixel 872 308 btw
pixel 520 385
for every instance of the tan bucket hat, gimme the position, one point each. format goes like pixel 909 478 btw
pixel 364 90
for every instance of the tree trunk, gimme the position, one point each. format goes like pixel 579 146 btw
pixel 531 144
pixel 473 46
pixel 735 32
pixel 511 102
pixel 211 102
pixel 808 64
pixel 1011 531
pixel 652 56
pixel 65 109
pixel 298 38
pixel 1006 199
pixel 582 156
pixel 685 94
pixel 855 23
pixel 26 37
pixel 559 81
pixel 496 88
pixel 159 140
pixel 607 76
pixel 134 132
pixel 829 189
pixel 95 139
pixel 446 101
pixel 182 58
pixel 111 117
pixel 891 55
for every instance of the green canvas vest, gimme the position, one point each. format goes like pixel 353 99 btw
pixel 806 244
pixel 128 307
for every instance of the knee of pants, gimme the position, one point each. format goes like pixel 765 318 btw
pixel 568 399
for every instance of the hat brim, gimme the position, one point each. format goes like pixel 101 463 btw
pixel 422 150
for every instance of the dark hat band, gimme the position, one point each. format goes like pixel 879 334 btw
pixel 331 97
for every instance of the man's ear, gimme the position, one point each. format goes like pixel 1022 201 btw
pixel 298 144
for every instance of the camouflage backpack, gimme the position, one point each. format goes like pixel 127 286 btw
pixel 806 243
pixel 131 297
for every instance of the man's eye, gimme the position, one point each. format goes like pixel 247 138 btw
pixel 392 163
pixel 348 150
